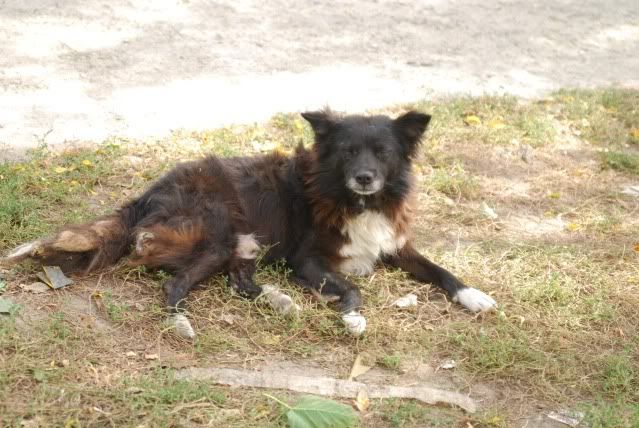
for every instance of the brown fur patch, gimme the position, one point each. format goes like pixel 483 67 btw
pixel 76 241
pixel 168 245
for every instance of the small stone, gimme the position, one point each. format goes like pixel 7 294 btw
pixel 151 356
pixel 448 365
pixel 131 354
pixel 406 301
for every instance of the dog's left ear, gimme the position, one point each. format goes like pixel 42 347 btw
pixel 410 127
pixel 322 121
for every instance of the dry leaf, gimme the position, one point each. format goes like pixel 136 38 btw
pixel 496 123
pixel 573 226
pixel 634 133
pixel 359 368
pixel 636 248
pixel 362 402
pixel 35 287
pixel 472 120
pixel 54 278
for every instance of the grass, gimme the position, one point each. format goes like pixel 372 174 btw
pixel 560 258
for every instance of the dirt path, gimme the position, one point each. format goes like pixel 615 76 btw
pixel 76 71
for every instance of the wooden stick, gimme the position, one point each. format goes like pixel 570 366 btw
pixel 325 386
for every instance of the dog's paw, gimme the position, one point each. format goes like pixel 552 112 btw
pixel 182 326
pixel 355 323
pixel 24 251
pixel 474 299
pixel 280 302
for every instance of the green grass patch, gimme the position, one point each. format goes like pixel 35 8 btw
pixel 626 162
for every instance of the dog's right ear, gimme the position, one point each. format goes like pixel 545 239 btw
pixel 322 122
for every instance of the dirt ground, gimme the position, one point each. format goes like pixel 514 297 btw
pixel 87 70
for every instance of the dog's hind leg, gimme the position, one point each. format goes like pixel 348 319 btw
pixel 79 248
pixel 242 267
pixel 178 287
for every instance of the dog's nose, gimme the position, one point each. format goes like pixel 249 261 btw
pixel 364 178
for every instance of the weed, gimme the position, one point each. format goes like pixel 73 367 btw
pixel 58 327
pixel 619 376
pixel 114 310
pixel 620 161
pixel 454 181
pixel 404 413
pixel 392 362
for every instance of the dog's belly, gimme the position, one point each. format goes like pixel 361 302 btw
pixel 371 235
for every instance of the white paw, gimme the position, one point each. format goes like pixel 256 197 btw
pixel 24 250
pixel 474 300
pixel 280 302
pixel 182 326
pixel 355 323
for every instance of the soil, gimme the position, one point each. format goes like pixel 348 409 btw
pixel 78 71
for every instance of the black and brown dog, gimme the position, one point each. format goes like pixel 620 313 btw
pixel 340 207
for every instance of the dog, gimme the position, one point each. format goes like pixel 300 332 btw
pixel 338 208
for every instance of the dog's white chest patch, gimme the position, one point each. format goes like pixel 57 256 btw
pixel 371 235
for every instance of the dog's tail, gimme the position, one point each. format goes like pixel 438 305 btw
pixel 85 247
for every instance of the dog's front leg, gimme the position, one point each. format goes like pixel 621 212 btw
pixel 423 270
pixel 315 275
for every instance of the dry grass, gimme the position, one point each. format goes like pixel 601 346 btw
pixel 560 258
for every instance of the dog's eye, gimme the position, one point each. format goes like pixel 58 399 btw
pixel 382 154
pixel 352 151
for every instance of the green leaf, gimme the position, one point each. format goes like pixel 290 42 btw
pixel 314 412
pixel 6 306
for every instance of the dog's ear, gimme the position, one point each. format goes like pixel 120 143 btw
pixel 322 122
pixel 410 127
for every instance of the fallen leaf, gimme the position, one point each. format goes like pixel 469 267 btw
pixel 314 412
pixel 35 287
pixel 554 195
pixel 6 305
pixel 227 318
pixel 634 133
pixel 496 123
pixel 636 248
pixel 359 367
pixel 362 401
pixel 55 276
pixel 573 227
pixel 60 169
pixel 488 211
pixel 472 120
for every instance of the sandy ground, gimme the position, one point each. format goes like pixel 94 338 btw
pixel 85 70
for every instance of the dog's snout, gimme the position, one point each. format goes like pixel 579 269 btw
pixel 364 178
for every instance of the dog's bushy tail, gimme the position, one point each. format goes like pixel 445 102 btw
pixel 85 247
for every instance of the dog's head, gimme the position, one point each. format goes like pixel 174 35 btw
pixel 368 154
